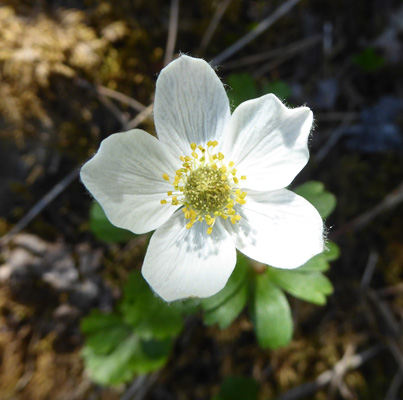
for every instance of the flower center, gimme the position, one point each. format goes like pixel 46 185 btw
pixel 206 186
pixel 205 190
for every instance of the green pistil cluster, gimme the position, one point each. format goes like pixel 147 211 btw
pixel 206 187
pixel 206 191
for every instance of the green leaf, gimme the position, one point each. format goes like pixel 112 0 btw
pixel 238 388
pixel 227 312
pixel 186 306
pixel 152 355
pixel 369 60
pixel 308 286
pixel 243 88
pixel 105 340
pixel 278 87
pixel 271 314
pixel 126 357
pixel 113 352
pixel 226 305
pixel 136 342
pixel 103 229
pixel 149 315
pixel 332 251
pixel 318 263
pixel 98 321
pixel 315 193
pixel 111 368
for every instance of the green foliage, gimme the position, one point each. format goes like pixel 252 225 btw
pixel 264 292
pixel 103 229
pixel 332 251
pixel 318 263
pixel 243 88
pixel 280 88
pixel 268 304
pixel 271 314
pixel 237 388
pixel 134 340
pixel 227 304
pixel 310 286
pixel 316 194
pixel 146 313
pixel 368 60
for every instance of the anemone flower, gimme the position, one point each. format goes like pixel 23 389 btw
pixel 210 184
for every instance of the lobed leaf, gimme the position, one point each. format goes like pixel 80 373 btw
pixel 315 193
pixel 309 286
pixel 271 314
pixel 243 88
pixel 279 88
pixel 147 313
pixel 103 229
pixel 226 305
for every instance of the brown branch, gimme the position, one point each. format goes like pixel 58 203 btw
pixel 172 31
pixel 135 122
pixel 113 94
pixel 354 362
pixel 390 201
pixel 266 55
pixel 40 205
pixel 222 7
pixel 263 26
pixel 133 103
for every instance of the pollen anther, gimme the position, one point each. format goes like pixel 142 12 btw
pixel 206 187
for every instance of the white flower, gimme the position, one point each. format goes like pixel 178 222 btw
pixel 213 182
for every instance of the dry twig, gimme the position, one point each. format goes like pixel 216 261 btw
pixel 354 362
pixel 172 31
pixel 288 54
pixel 337 384
pixel 133 103
pixel 140 117
pixel 395 385
pixel 222 7
pixel 40 205
pixel 119 115
pixel 334 137
pixel 266 55
pixel 63 184
pixel 264 25
pixel 369 269
pixel 113 94
pixel 391 200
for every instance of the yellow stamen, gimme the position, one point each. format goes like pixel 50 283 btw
pixel 206 186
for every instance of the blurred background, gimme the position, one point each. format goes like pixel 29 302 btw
pixel 73 72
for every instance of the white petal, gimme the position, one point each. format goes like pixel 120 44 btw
pixel 268 142
pixel 125 177
pixel 278 228
pixel 191 105
pixel 184 262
